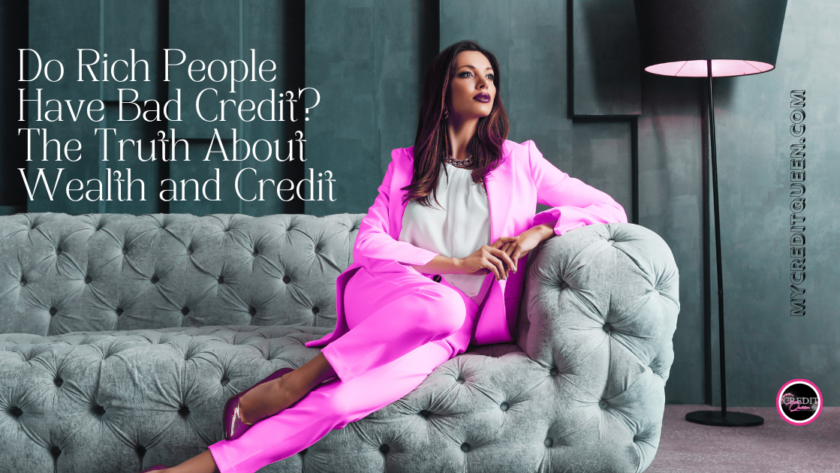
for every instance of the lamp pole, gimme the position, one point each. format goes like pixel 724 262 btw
pixel 721 418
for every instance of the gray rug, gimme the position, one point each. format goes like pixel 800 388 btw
pixel 775 446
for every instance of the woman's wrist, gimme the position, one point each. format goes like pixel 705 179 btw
pixel 546 231
pixel 441 264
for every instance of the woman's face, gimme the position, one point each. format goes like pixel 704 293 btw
pixel 472 89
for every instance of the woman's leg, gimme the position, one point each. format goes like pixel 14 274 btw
pixel 387 316
pixel 329 406
pixel 391 314
pixel 336 403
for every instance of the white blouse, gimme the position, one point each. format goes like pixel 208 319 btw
pixel 457 229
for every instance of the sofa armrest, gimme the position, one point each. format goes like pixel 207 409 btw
pixel 599 311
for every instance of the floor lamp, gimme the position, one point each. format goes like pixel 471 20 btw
pixel 711 38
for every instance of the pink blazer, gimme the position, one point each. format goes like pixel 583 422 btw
pixel 523 179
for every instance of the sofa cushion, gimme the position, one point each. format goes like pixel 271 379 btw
pixel 71 273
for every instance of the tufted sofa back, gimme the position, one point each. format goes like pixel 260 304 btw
pixel 64 273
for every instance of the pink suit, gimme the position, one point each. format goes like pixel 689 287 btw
pixel 394 325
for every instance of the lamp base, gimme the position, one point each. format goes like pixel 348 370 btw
pixel 731 419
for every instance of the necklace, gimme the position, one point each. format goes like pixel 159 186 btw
pixel 457 163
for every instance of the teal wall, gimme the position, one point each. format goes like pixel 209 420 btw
pixel 570 81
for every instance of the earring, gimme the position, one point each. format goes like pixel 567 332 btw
pixel 445 112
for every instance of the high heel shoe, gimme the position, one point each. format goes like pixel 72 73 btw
pixel 234 427
pixel 155 468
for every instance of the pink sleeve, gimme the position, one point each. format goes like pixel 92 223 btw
pixel 575 203
pixel 374 241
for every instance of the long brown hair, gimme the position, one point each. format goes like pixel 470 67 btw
pixel 486 145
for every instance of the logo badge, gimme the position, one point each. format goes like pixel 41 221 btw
pixel 799 402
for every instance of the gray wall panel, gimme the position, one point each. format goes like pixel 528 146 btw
pixel 274 29
pixel 362 58
pixel 671 204
pixel 14 27
pixel 604 157
pixel 203 31
pixel 56 31
pixel 606 68
pixel 127 26
pixel 202 171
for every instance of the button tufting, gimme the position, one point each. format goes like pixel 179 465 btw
pixel 58 381
pixel 465 447
pixel 553 371
pixel 88 279
pixel 286 279
pixel 460 380
pixel 256 252
pixel 425 414
pixel 141 450
pixel 55 451
pixel 384 448
pixel 252 310
pixel 548 442
pixel 436 278
pixel 189 251
pixel 155 279
pixel 185 310
pixel 184 411
pixel 315 310
pixel 119 311
pixel 53 311
pixel 225 381
pixel 608 327
pixel 23 282
pixel 504 406
pixel 57 250
pixel 15 412
pixel 602 404
pixel 98 410
pixel 221 279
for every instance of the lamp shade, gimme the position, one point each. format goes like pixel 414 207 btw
pixel 740 37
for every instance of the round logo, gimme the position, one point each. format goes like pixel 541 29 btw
pixel 799 402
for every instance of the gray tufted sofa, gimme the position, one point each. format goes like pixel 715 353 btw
pixel 122 336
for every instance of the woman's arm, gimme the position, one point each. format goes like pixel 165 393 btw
pixel 441 265
pixel 575 204
pixel 374 241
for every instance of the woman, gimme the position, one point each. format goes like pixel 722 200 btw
pixel 452 210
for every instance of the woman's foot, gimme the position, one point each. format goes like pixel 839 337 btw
pixel 272 397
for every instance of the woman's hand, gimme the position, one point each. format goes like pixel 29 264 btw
pixel 520 245
pixel 486 259
pixel 499 258
pixel 503 255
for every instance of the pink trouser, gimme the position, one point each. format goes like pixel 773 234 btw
pixel 398 336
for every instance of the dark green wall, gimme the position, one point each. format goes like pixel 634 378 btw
pixel 570 82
